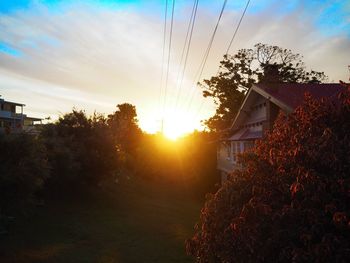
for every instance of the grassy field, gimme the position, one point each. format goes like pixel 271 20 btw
pixel 137 223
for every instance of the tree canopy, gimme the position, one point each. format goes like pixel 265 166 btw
pixel 124 127
pixel 24 169
pixel 291 201
pixel 240 71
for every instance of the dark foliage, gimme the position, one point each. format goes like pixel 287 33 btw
pixel 23 170
pixel 291 201
pixel 124 128
pixel 240 71
pixel 126 136
pixel 80 149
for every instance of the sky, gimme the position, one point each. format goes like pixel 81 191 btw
pixel 56 55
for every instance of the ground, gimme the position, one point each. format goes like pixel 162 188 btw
pixel 137 223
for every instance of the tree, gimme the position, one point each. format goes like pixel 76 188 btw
pixel 291 201
pixel 124 127
pixel 240 71
pixel 23 171
pixel 80 149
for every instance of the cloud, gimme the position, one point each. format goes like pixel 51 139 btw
pixel 113 54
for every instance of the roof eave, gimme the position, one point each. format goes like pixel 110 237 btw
pixel 286 108
pixel 13 103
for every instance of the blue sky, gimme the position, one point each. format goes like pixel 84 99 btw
pixel 57 54
pixel 333 13
pixel 331 17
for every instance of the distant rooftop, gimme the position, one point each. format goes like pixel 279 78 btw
pixel 10 102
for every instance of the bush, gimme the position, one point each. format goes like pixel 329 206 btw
pixel 81 150
pixel 291 201
pixel 23 170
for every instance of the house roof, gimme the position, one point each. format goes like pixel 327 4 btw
pixel 10 102
pixel 287 96
pixel 292 94
pixel 33 118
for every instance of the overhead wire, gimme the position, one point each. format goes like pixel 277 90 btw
pixel 238 25
pixel 206 55
pixel 186 46
pixel 227 50
pixel 163 53
pixel 168 63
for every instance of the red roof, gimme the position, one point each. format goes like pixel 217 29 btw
pixel 293 94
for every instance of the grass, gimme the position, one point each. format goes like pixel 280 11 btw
pixel 135 223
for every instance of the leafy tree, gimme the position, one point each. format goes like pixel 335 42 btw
pixel 291 201
pixel 80 148
pixel 23 171
pixel 124 129
pixel 240 71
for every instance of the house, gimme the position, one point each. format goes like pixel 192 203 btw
pixel 258 113
pixel 13 120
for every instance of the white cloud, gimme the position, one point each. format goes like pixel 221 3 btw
pixel 110 56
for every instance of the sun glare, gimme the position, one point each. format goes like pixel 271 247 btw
pixel 177 125
pixel 174 124
pixel 172 134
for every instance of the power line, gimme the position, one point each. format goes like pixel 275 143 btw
pixel 239 24
pixel 227 50
pixel 169 51
pixel 189 33
pixel 163 53
pixel 206 54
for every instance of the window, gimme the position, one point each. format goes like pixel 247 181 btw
pixel 236 149
pixel 225 151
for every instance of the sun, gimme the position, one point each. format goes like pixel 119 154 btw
pixel 177 125
pixel 172 134
pixel 173 124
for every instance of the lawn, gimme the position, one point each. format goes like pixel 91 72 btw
pixel 137 222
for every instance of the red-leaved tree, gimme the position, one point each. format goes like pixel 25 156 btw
pixel 291 202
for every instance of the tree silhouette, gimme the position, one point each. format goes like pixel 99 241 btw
pixel 240 71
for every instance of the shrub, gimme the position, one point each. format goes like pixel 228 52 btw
pixel 23 170
pixel 81 150
pixel 291 201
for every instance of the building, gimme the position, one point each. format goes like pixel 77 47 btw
pixel 258 113
pixel 13 120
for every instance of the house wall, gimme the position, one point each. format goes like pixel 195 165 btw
pixel 28 122
pixel 257 111
pixel 224 157
pixel 12 121
pixel 257 116
pixel 227 155
pixel 8 107
pixel 10 125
